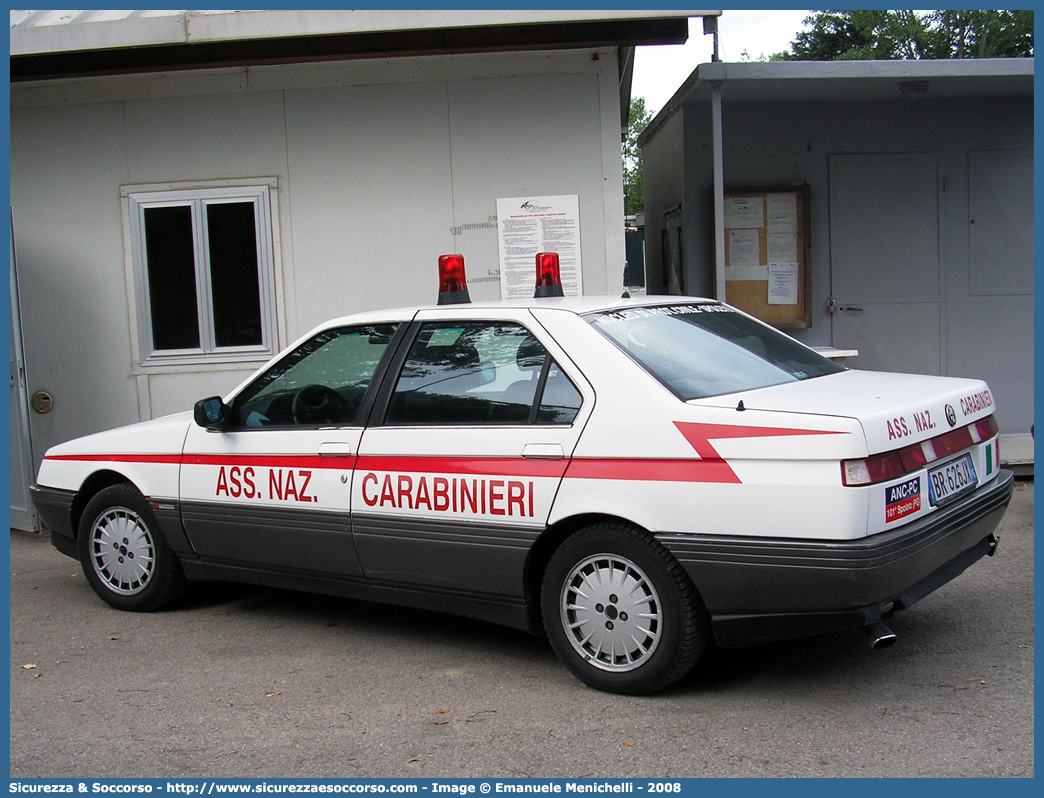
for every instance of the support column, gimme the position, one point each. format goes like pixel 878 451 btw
pixel 719 194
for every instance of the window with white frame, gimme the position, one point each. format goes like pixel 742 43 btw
pixel 203 274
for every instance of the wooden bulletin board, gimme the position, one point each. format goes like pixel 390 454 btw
pixel 768 245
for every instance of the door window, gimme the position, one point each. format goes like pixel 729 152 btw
pixel 320 383
pixel 480 373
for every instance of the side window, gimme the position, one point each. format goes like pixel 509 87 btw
pixel 480 373
pixel 560 401
pixel 322 382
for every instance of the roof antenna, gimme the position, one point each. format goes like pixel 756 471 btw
pixel 626 294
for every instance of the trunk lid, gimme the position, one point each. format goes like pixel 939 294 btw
pixel 894 410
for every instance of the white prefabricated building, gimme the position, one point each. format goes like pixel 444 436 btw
pixel 351 147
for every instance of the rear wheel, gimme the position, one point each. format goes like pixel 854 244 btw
pixel 124 556
pixel 621 612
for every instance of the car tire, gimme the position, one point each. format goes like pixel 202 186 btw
pixel 621 612
pixel 124 555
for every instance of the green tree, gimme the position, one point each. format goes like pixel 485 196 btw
pixel 638 117
pixel 982 34
pixel 889 35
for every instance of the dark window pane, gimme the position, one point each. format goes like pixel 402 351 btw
pixel 438 381
pixel 172 277
pixel 232 239
pixel 470 373
pixel 560 401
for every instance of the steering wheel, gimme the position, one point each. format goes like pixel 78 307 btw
pixel 320 404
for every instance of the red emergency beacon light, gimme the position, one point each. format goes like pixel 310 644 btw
pixel 548 277
pixel 453 284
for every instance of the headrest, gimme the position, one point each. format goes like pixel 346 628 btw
pixel 530 354
pixel 462 354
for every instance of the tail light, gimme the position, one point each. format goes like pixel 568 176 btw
pixel 898 463
pixel 453 283
pixel 548 275
pixel 871 470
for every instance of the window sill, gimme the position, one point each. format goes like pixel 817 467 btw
pixel 223 361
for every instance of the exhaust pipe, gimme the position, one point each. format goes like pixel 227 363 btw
pixel 877 635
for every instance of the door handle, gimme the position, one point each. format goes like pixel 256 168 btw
pixel 338 449
pixel 832 306
pixel 543 451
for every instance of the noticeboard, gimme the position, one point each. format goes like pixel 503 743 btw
pixel 767 254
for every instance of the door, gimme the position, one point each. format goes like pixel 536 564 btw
pixel 885 260
pixel 23 513
pixel 272 486
pixel 457 474
pixel 673 251
pixel 997 316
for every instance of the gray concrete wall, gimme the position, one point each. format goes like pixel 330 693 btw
pixel 664 170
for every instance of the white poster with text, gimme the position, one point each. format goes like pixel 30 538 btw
pixel 528 225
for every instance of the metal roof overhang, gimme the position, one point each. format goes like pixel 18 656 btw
pixel 205 41
pixel 818 81
pixel 865 80
pixel 48 45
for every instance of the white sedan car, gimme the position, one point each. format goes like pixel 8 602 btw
pixel 633 477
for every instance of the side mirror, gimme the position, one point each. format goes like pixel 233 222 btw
pixel 210 413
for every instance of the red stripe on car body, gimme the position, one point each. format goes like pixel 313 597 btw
pixel 487 466
pixel 645 470
pixel 709 468
pixel 699 435
pixel 170 459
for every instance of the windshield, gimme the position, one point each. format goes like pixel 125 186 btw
pixel 709 349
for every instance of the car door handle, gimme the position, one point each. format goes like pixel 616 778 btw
pixel 338 449
pixel 543 451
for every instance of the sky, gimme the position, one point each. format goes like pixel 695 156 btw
pixel 660 70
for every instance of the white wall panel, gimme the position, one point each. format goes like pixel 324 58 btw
pixel 66 167
pixel 527 136
pixel 205 138
pixel 371 204
pixel 175 392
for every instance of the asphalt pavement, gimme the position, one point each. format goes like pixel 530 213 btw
pixel 242 681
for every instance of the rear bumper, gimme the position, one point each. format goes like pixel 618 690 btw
pixel 758 590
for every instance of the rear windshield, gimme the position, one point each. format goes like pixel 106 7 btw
pixel 709 349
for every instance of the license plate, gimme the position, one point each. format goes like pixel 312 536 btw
pixel 951 480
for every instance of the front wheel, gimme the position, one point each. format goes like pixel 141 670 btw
pixel 621 612
pixel 124 556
